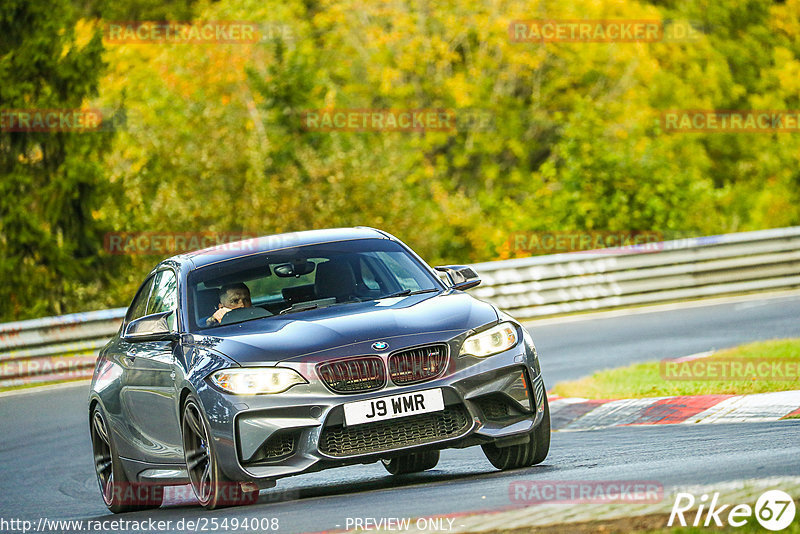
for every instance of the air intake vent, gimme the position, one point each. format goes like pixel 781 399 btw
pixel 281 445
pixel 409 431
pixel 418 364
pixel 353 375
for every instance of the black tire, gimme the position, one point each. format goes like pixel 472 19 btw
pixel 411 463
pixel 119 494
pixel 210 485
pixel 525 454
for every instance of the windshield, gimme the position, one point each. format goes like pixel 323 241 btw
pixel 302 278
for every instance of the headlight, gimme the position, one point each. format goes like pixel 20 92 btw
pixel 496 339
pixel 256 380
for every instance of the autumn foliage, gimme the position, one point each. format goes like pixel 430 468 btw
pixel 547 136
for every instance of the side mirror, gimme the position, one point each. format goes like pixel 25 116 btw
pixel 153 327
pixel 460 276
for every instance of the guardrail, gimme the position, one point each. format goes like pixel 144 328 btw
pixel 54 348
pixel 65 347
pixel 673 270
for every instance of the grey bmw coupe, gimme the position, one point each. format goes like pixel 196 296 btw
pixel 245 363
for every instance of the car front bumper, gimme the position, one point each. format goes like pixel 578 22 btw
pixel 261 438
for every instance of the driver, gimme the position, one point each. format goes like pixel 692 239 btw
pixel 231 297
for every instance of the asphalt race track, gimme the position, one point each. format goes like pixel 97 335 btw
pixel 46 467
pixel 574 349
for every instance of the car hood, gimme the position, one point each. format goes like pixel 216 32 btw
pixel 345 329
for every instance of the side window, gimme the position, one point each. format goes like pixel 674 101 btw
pixel 165 295
pixel 138 307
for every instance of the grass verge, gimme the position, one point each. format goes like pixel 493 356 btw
pixel 653 379
pixel 649 524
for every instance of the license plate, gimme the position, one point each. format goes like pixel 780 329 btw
pixel 403 405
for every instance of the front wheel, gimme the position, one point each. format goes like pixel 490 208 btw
pixel 210 485
pixel 526 454
pixel 119 494
pixel 411 463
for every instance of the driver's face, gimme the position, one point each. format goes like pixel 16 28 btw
pixel 236 298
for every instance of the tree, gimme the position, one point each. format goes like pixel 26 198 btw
pixel 51 182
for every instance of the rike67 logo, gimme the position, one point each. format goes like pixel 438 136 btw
pixel 774 510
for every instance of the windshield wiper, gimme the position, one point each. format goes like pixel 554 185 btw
pixel 292 309
pixel 406 292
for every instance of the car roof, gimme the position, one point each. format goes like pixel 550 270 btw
pixel 246 247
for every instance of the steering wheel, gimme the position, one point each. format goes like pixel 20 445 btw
pixel 243 314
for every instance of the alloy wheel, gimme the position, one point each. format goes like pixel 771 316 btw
pixel 197 450
pixel 103 465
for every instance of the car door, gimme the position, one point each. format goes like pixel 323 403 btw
pixel 150 399
pixel 127 438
